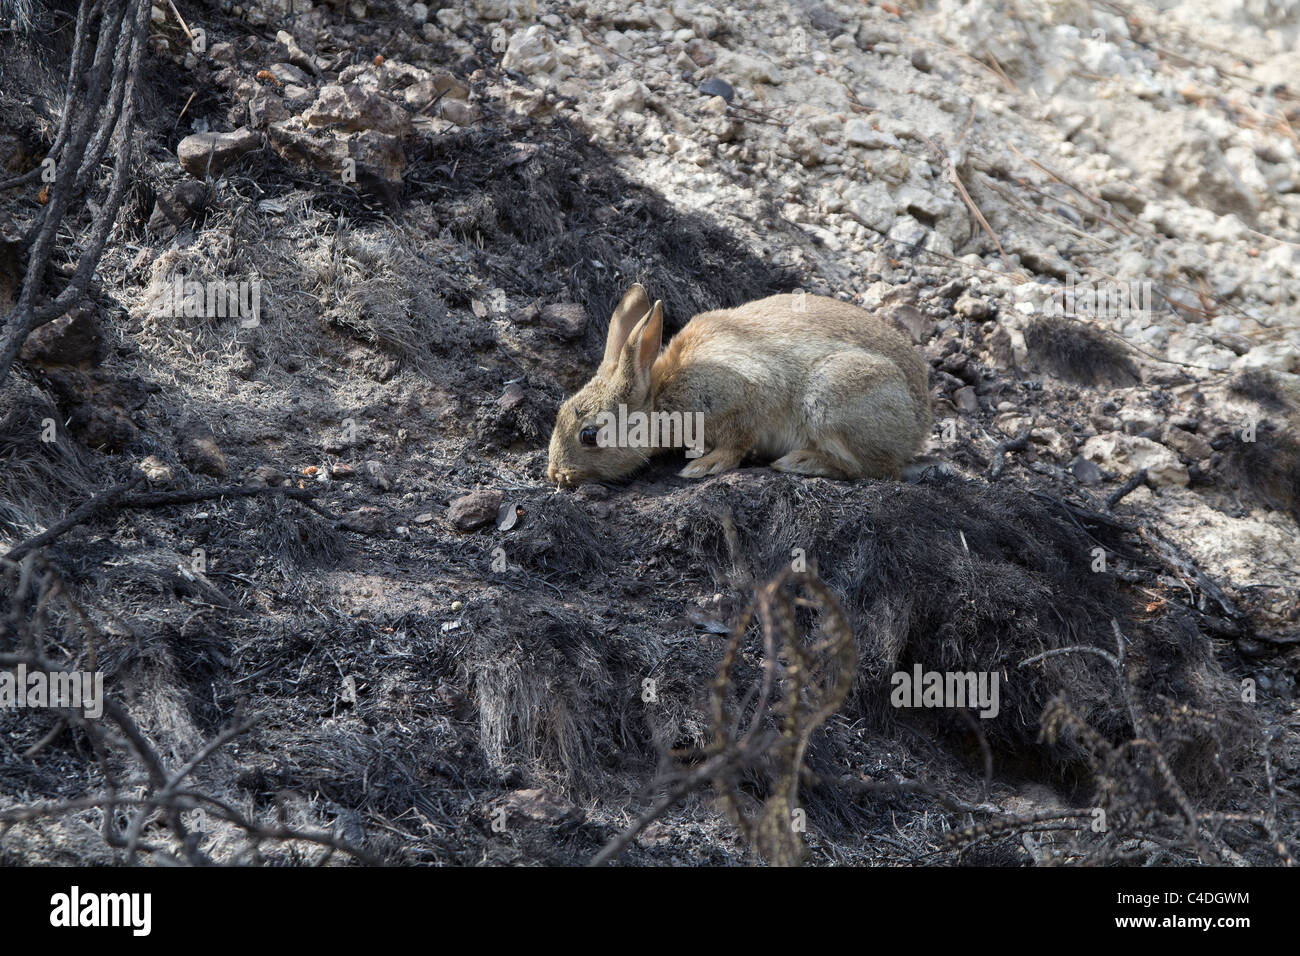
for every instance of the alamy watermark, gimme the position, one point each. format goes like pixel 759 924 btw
pixel 214 299
pixel 76 690
pixel 73 909
pixel 1102 300
pixel 651 430
pixel 956 689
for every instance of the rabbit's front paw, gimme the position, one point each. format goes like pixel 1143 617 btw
pixel 718 460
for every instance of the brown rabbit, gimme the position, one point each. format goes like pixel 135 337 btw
pixel 814 385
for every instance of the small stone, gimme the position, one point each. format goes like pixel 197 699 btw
pixel 269 475
pixel 202 455
pixel 701 52
pixel 458 112
pixel 1190 446
pixel 824 19
pixel 155 469
pixel 1128 454
pixel 292 52
pixel 950 290
pixel 531 52
pixel 972 307
pixel 513 396
pixel 379 476
pixel 714 86
pixel 507 515
pixel 859 132
pixel 1084 470
pixel 567 319
pixel 176 207
pixel 474 509
pixel 204 154
pixel 365 520
pixel 71 339
pixel 1001 350
pixel 355 108
pixel 966 400
pixel 288 73
pixel 297 97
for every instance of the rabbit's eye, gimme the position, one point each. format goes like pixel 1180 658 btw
pixel 588 435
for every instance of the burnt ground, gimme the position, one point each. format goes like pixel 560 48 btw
pixel 403 683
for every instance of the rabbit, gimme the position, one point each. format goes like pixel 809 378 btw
pixel 810 384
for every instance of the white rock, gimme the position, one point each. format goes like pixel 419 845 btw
pixel 630 97
pixel 1129 454
pixel 859 132
pixel 743 66
pixel 1278 356
pixel 531 52
pixel 618 42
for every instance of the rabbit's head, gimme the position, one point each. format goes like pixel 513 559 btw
pixel 584 445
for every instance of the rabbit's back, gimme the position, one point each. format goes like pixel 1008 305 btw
pixel 783 338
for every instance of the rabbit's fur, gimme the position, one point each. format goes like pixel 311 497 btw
pixel 830 390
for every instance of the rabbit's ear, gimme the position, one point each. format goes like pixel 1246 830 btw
pixel 644 343
pixel 630 311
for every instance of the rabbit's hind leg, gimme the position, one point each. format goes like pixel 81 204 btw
pixel 810 461
pixel 860 415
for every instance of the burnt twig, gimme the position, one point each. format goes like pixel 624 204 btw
pixel 1116 496
pixel 118 499
pixel 1019 443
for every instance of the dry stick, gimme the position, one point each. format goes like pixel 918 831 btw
pixel 117 499
pixel 1183 564
pixel 753 744
pixel 1042 216
pixel 83 512
pixel 1041 820
pixel 28 177
pixel 163 797
pixel 184 800
pixel 1270 819
pixel 184 26
pixel 941 797
pixel 1116 496
pixel 26 315
pixel 81 122
pixel 49 738
pixel 112 110
pixel 86 12
pixel 702 774
pixel 261 832
pixel 955 178
pixel 1142 731
pixel 166 796
pixel 1095 200
pixel 162 499
pixel 1019 443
